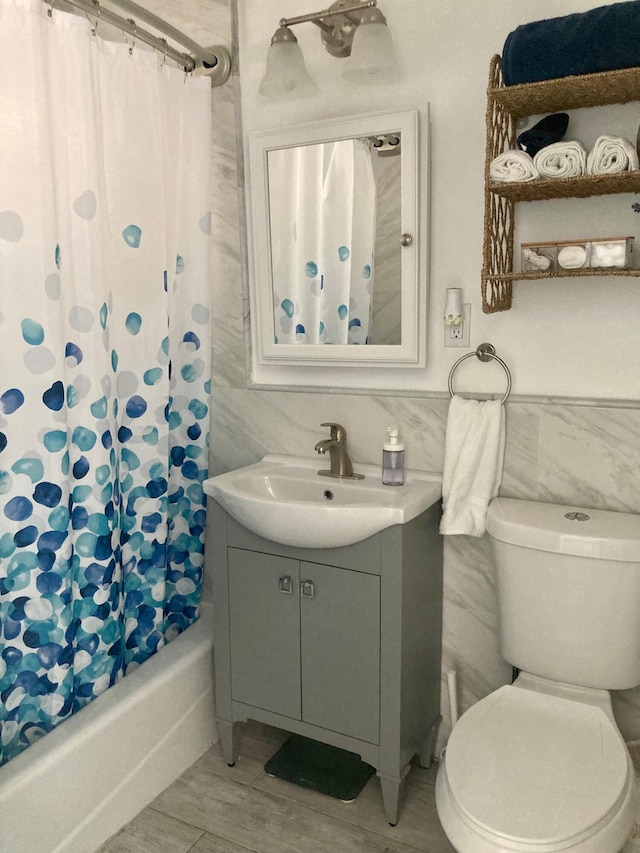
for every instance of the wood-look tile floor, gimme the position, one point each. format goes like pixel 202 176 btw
pixel 213 808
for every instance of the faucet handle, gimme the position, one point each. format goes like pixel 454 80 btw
pixel 338 432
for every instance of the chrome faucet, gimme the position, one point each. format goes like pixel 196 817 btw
pixel 341 465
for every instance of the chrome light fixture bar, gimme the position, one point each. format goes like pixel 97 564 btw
pixel 355 30
pixel 338 24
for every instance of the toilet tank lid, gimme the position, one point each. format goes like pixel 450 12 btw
pixel 604 535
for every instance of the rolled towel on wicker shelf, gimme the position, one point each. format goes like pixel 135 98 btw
pixel 545 132
pixel 566 159
pixel 610 155
pixel 513 165
pixel 602 39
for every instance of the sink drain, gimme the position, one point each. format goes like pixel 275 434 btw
pixel 327 495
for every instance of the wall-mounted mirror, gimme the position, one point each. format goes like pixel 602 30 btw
pixel 335 238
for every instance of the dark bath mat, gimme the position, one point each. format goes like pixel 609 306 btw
pixel 323 768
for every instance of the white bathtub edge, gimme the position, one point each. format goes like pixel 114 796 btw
pixel 168 760
pixel 78 786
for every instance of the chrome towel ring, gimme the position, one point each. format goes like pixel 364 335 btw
pixel 485 352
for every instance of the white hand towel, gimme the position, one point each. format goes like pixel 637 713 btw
pixel 473 459
pixel 561 160
pixel 610 155
pixel 513 165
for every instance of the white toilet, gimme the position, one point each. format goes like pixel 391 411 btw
pixel 540 765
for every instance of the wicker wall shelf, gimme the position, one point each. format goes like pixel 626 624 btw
pixel 590 271
pixel 569 93
pixel 505 104
pixel 583 187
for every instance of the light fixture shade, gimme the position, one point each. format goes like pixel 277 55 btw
pixel 286 75
pixel 453 309
pixel 373 56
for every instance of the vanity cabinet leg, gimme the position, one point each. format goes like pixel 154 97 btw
pixel 392 790
pixel 231 737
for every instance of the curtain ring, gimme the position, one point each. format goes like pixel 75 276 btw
pixel 50 9
pixel 94 23
pixel 165 46
pixel 133 43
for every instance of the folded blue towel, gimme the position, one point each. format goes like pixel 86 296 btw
pixel 548 130
pixel 603 39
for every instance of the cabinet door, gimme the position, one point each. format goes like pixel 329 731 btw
pixel 264 622
pixel 340 627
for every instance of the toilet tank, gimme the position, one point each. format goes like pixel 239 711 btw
pixel 568 587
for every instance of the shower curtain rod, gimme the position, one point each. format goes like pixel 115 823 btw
pixel 215 58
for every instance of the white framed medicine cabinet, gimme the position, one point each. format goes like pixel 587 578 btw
pixel 303 183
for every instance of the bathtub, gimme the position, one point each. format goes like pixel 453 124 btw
pixel 81 783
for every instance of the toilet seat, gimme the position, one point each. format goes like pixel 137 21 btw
pixel 534 771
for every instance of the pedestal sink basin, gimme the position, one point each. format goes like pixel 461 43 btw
pixel 282 498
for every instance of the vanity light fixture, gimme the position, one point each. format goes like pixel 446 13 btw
pixel 286 75
pixel 357 30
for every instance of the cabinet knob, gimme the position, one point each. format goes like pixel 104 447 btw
pixel 406 240
pixel 307 589
pixel 285 584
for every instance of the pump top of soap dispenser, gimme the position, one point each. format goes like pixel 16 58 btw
pixel 393 442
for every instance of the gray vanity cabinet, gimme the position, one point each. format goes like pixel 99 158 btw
pixel 305 641
pixel 340 651
pixel 341 645
pixel 264 631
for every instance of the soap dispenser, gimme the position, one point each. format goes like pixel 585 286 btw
pixel 393 459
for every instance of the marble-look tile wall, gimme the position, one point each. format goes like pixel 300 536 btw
pixel 583 456
pixel 386 319
pixel 574 454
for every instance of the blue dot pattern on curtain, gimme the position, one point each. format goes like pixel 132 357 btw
pixel 55 645
pixel 104 346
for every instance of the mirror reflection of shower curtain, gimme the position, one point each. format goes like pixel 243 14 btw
pixel 322 202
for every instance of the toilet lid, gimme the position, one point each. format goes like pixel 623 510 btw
pixel 537 768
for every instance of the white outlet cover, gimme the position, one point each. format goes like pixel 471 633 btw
pixel 463 341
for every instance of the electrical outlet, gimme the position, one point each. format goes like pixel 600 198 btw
pixel 459 336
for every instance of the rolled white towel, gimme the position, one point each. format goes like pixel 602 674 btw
pixel 561 160
pixel 610 155
pixel 513 165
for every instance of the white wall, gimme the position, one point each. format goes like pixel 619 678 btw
pixel 570 338
pixel 561 338
pixel 568 443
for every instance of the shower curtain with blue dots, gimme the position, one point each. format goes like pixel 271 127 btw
pixel 104 357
